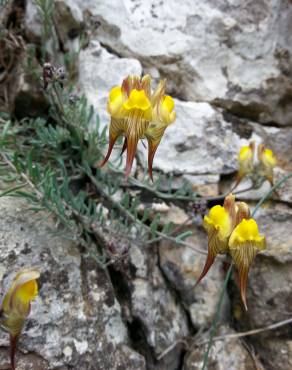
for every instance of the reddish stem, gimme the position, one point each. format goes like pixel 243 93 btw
pixel 13 343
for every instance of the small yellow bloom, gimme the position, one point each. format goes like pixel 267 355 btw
pixel 219 225
pixel 231 231
pixel 246 159
pixel 267 161
pixel 137 100
pixel 244 243
pixel 218 221
pixel 16 305
pixel 137 113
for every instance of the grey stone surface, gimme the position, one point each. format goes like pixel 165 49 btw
pixel 156 308
pixel 233 53
pixel 228 354
pixel 276 353
pixel 76 320
pixel 200 141
pixel 183 266
pixel 228 65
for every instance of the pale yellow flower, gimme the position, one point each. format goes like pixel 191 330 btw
pixel 267 161
pixel 15 306
pixel 231 231
pixel 246 160
pixel 219 225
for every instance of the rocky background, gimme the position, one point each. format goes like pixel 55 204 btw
pixel 229 66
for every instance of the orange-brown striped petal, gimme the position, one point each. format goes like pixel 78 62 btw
pixel 215 246
pixel 209 262
pixel 229 206
pixel 242 212
pixel 112 140
pixel 243 257
pixel 151 153
pixel 132 143
pixel 243 275
pixel 116 129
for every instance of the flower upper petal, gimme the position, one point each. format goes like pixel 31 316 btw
pixel 137 100
pixel 246 158
pixel 115 101
pixel 247 231
pixel 166 110
pixel 268 158
pixel 219 219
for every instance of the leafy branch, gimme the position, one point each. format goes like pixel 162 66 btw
pixel 50 163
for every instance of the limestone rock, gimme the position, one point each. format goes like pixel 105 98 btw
pixel 284 192
pixel 32 21
pixel 157 313
pixel 228 354
pixel 235 54
pixel 198 142
pixel 182 266
pixel 67 18
pixel 276 353
pixel 99 71
pixel 76 320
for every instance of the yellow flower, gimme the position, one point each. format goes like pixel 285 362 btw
pixel 16 305
pixel 137 113
pixel 231 231
pixel 267 161
pixel 246 160
pixel 219 225
pixel 244 243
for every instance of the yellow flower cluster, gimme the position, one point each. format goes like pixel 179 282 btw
pixel 246 161
pixel 231 231
pixel 137 112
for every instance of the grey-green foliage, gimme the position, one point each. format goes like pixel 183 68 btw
pixel 50 162
pixel 45 10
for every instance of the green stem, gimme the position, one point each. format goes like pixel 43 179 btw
pixel 215 321
pixel 228 275
pixel 265 197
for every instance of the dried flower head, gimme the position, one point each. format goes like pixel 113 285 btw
pixel 231 231
pixel 137 113
pixel 15 306
pixel 52 74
